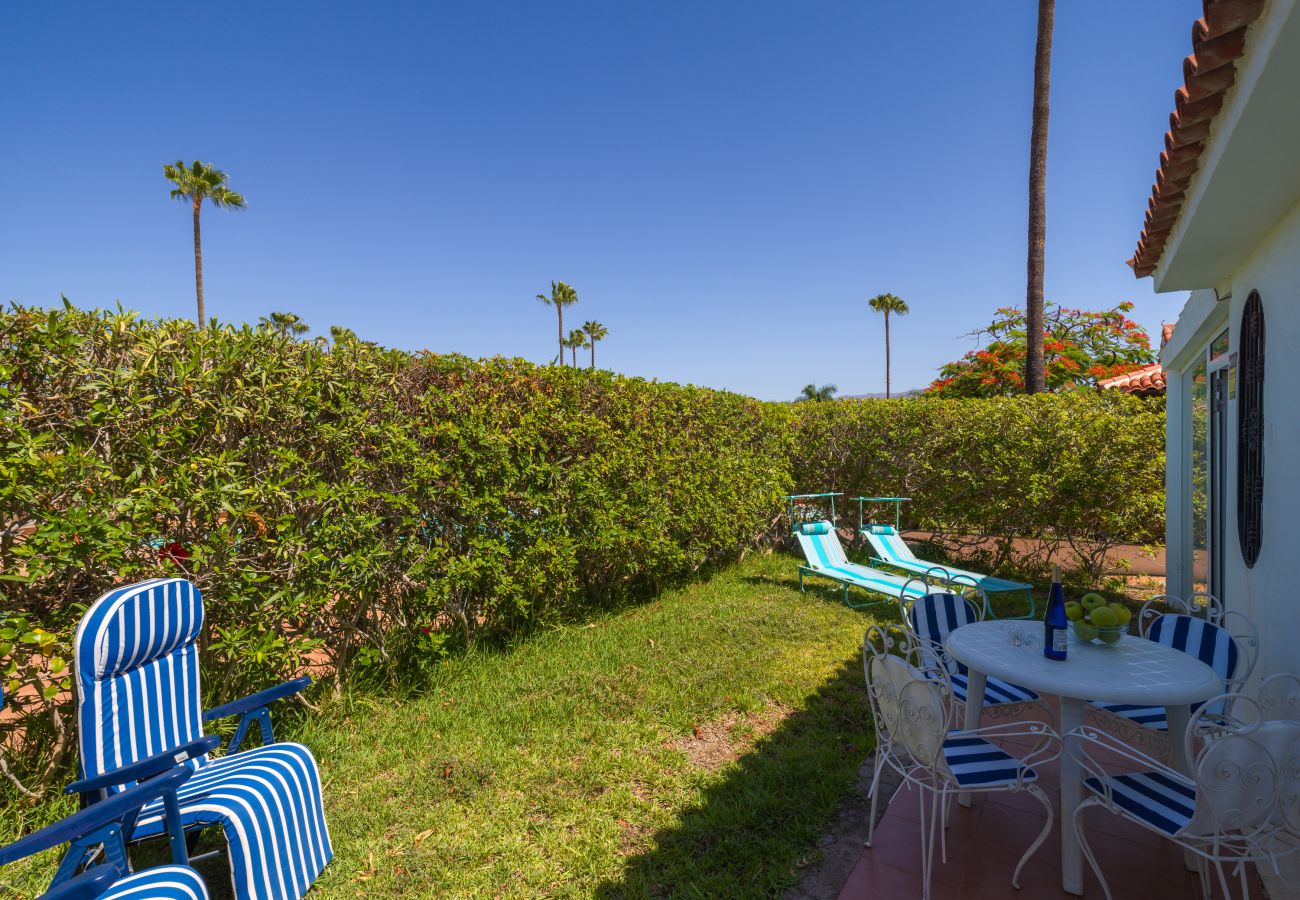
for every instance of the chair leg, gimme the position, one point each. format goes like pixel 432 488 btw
pixel 875 795
pixel 927 840
pixel 1042 835
pixel 1087 851
pixel 1223 880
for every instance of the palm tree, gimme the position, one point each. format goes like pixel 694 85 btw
pixel 818 394
pixel 888 303
pixel 1035 375
pixel 197 183
pixel 562 295
pixel 577 341
pixel 286 323
pixel 595 332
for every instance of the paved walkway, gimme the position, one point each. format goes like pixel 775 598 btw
pixel 985 842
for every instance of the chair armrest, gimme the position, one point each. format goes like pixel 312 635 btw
pixel 95 816
pixel 257 701
pixel 146 768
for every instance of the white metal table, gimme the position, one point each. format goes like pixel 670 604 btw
pixel 1133 670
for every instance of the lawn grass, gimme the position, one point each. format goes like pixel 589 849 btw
pixel 563 766
pixel 693 746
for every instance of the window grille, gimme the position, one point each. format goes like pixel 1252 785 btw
pixel 1250 430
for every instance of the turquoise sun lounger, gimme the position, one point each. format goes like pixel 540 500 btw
pixel 826 558
pixel 891 550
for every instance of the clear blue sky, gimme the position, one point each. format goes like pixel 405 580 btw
pixel 725 183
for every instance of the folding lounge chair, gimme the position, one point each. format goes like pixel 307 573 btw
pixel 138 695
pixel 98 836
pixel 891 550
pixel 826 558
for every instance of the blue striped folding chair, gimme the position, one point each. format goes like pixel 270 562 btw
pixel 95 866
pixel 1227 642
pixel 137 671
pixel 916 736
pixel 1241 803
pixel 931 618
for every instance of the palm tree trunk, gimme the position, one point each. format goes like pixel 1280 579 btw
pixel 1035 377
pixel 593 353
pixel 886 354
pixel 574 350
pixel 559 317
pixel 198 260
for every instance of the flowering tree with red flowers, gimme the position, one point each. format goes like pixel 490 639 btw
pixel 1081 347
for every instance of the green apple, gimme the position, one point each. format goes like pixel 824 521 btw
pixel 1102 617
pixel 1092 601
pixel 1085 632
pixel 1110 636
pixel 1122 613
pixel 1073 611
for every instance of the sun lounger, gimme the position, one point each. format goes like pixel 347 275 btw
pixel 891 550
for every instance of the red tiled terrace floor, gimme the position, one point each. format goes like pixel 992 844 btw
pixel 986 840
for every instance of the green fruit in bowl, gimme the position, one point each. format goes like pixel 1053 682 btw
pixel 1122 613
pixel 1103 617
pixel 1073 611
pixel 1110 636
pixel 1085 632
pixel 1092 601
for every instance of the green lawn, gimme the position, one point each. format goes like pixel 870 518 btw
pixel 694 746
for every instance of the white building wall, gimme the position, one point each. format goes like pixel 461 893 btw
pixel 1269 593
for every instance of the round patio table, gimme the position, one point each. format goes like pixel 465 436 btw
pixel 1133 670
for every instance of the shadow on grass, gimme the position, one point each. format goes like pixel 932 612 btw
pixel 761 822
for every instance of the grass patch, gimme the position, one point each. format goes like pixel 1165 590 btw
pixel 693 746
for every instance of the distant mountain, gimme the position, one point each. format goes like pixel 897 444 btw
pixel 915 392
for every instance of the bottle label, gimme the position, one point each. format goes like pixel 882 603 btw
pixel 1058 640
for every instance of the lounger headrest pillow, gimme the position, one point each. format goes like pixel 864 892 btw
pixel 815 528
pixel 882 529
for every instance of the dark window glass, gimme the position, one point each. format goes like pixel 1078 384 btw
pixel 1250 430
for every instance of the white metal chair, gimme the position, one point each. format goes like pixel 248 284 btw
pixel 1241 803
pixel 1227 642
pixel 930 619
pixel 916 736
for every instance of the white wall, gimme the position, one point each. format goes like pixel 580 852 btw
pixel 1269 593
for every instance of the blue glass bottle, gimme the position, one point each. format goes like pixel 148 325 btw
pixel 1055 623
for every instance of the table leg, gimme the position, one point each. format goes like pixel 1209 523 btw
pixel 1071 784
pixel 975 682
pixel 1177 718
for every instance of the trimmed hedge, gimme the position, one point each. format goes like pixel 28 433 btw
pixel 364 509
pixel 1080 468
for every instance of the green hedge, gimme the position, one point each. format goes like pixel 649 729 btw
pixel 364 510
pixel 1081 468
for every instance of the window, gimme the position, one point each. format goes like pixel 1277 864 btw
pixel 1250 430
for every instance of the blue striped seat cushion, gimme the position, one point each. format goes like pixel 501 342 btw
pixel 1206 641
pixel 161 883
pixel 1164 803
pixel 996 691
pixel 267 801
pixel 974 762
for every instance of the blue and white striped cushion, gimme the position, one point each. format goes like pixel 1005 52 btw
pixel 934 617
pixel 1160 801
pixel 138 694
pixel 268 802
pixel 1204 640
pixel 162 883
pixel 996 691
pixel 974 762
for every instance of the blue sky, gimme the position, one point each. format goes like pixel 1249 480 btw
pixel 725 183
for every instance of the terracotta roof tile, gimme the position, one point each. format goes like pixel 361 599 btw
pixel 1146 380
pixel 1218 41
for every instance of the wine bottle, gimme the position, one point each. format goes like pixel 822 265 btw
pixel 1054 620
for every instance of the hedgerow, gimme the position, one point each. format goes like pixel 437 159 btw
pixel 359 511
